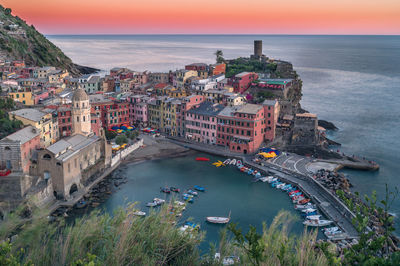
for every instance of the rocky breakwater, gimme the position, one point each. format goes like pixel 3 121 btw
pixel 333 181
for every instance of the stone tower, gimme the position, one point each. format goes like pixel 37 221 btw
pixel 81 113
pixel 257 48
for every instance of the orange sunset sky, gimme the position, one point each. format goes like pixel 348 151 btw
pixel 210 16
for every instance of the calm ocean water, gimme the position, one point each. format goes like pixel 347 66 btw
pixel 352 81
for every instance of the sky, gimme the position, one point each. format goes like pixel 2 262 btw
pixel 210 16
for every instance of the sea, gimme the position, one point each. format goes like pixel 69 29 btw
pixel 352 81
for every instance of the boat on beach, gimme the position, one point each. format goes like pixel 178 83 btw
pixel 239 162
pixel 227 161
pixel 202 159
pixel 233 162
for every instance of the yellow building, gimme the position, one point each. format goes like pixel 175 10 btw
pixel 154 112
pixel 169 116
pixel 182 76
pixel 56 76
pixel 177 93
pixel 40 120
pixel 22 96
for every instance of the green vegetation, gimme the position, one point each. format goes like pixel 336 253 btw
pixel 125 239
pixel 110 135
pixel 244 64
pixel 219 56
pixel 32 46
pixel 121 139
pixel 7 126
pixel 263 95
pixel 132 134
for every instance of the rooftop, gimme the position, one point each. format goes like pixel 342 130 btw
pixel 67 147
pixel 23 135
pixel 29 113
pixel 207 108
pixel 250 108
pixel 306 115
pixel 270 102
pixel 242 74
pixel 276 81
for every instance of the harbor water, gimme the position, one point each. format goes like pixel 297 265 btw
pixel 228 191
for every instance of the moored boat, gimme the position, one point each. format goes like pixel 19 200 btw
pixel 218 220
pixel 165 190
pixel 174 189
pixel 151 204
pixel 239 162
pixel 227 161
pixel 204 159
pixel 233 162
pixel 304 206
pixel 199 188
pixel 264 179
pixel 317 222
pixel 304 201
pixel 158 201
pixel 192 192
pixel 139 213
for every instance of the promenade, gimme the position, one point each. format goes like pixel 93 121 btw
pixel 296 174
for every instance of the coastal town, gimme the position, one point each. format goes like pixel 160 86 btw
pixel 70 132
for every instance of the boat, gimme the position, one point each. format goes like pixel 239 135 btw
pixel 139 213
pixel 294 191
pixel 333 234
pixel 233 162
pixel 199 188
pixel 218 163
pixel 218 220
pixel 239 162
pixel 165 190
pixel 295 195
pixel 273 179
pixel 151 204
pixel 243 169
pixel 174 189
pixel 331 229
pixel 264 179
pixel 304 201
pixel 309 210
pixel 187 195
pixel 313 217
pixel 304 206
pixel 158 201
pixel 255 179
pixel 188 199
pixel 202 159
pixel 227 161
pixel 297 200
pixel 179 203
pixel 258 175
pixel 192 192
pixel 281 185
pixel 317 222
pixel 250 171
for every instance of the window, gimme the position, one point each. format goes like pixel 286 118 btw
pixel 77 119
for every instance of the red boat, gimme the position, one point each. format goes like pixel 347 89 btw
pixel 203 159
pixel 293 192
pixel 5 172
pixel 304 201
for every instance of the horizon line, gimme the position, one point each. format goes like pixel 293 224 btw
pixel 212 34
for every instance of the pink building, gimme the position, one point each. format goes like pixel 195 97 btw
pixel 241 128
pixel 40 96
pixel 201 123
pixel 271 111
pixel 138 109
pixel 17 149
pixel 242 81
pixel 187 103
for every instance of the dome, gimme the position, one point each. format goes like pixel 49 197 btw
pixel 79 95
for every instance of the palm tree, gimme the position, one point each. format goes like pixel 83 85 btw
pixel 219 56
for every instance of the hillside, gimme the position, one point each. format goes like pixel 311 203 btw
pixel 19 41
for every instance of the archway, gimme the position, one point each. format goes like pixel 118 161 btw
pixel 73 189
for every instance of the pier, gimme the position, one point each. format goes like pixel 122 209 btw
pixel 331 206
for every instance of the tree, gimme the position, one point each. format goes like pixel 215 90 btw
pixel 219 56
pixel 8 11
pixel 121 139
pixel 110 134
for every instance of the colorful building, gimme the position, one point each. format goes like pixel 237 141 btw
pixel 182 76
pixel 271 112
pixel 241 128
pixel 17 149
pixel 22 95
pixel 40 120
pixel 201 122
pixel 242 81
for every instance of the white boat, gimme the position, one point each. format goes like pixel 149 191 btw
pixel 139 213
pixel 334 233
pixel 309 210
pixel 272 179
pixel 227 161
pixel 331 229
pixel 305 206
pixel 281 185
pixel 218 220
pixel 264 179
pixel 233 162
pixel 158 201
pixel 313 217
pixel 317 222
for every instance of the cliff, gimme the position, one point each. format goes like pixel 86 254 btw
pixel 19 41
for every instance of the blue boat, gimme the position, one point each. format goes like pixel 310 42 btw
pixel 258 175
pixel 250 171
pixel 309 214
pixel 194 225
pixel 295 194
pixel 188 199
pixel 199 188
